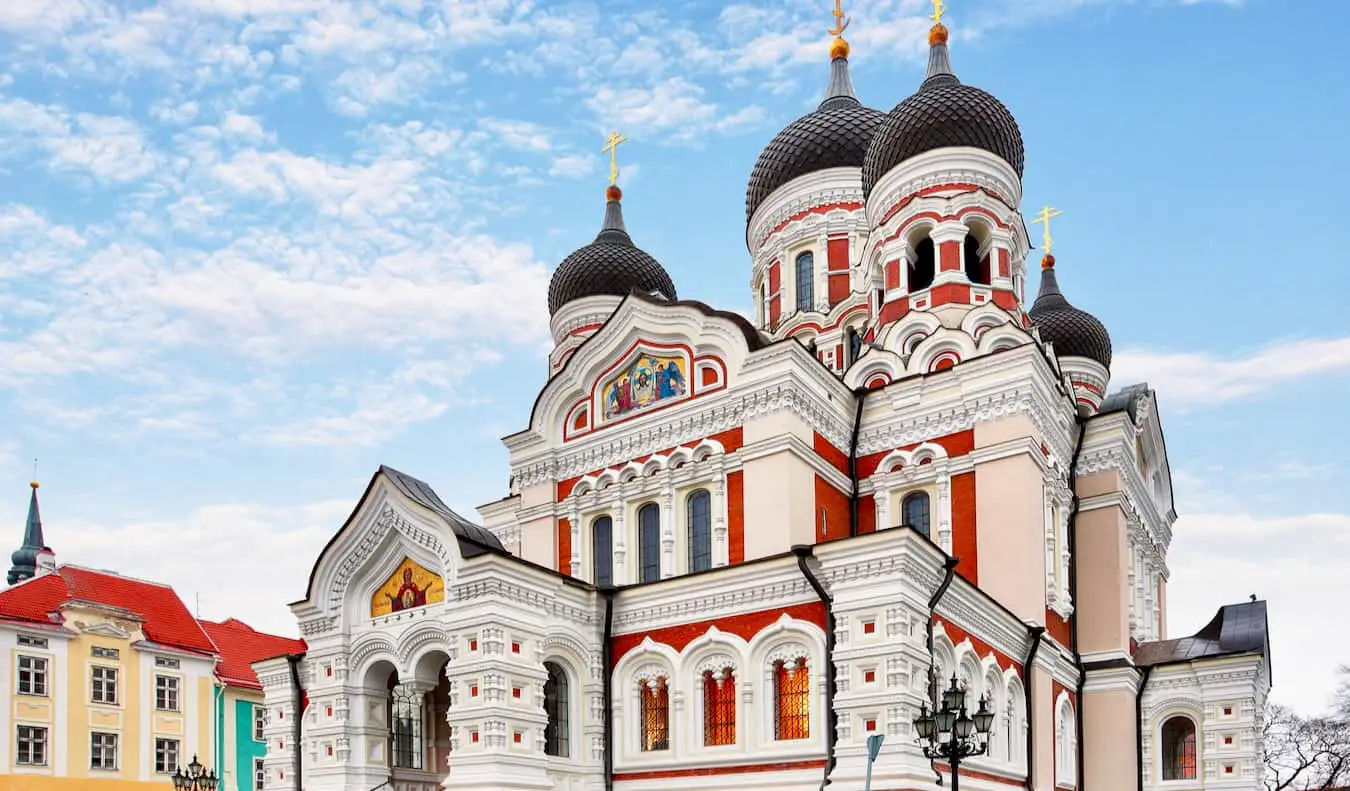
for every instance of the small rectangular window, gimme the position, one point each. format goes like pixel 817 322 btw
pixel 103 751
pixel 166 662
pixel 166 693
pixel 32 746
pixel 166 755
pixel 32 675
pixel 32 642
pixel 259 774
pixel 259 722
pixel 105 653
pixel 105 685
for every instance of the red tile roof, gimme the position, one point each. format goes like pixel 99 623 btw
pixel 166 620
pixel 241 645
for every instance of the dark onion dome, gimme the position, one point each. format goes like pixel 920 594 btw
pixel 611 264
pixel 1074 332
pixel 943 113
pixel 834 135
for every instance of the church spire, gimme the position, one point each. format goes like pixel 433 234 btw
pixel 939 59
pixel 25 558
pixel 840 90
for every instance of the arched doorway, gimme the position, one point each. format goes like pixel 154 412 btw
pixel 413 726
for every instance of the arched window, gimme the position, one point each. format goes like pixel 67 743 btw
pixel 923 268
pixel 556 736
pixel 975 269
pixel 405 725
pixel 915 511
pixel 719 707
pixel 806 282
pixel 764 301
pixel 1178 747
pixel 698 509
pixel 602 551
pixel 649 542
pixel 1066 750
pixel 791 700
pixel 854 345
pixel 655 715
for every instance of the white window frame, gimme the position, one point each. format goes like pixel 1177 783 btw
pixel 37 744
pixel 164 749
pixel 167 696
pixel 259 774
pixel 109 749
pixel 108 685
pixel 259 723
pixel 36 675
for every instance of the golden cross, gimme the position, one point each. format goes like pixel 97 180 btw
pixel 1045 216
pixel 939 8
pixel 612 144
pixel 840 23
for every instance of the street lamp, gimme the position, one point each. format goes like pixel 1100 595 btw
pixel 196 779
pixel 950 734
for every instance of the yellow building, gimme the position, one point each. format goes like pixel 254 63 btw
pixel 109 680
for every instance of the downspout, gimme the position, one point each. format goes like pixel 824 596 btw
pixel 831 718
pixel 1073 597
pixel 860 394
pixel 218 717
pixel 1139 726
pixel 607 681
pixel 949 569
pixel 294 661
pixel 1037 636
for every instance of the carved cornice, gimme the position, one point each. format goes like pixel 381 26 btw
pixel 1144 507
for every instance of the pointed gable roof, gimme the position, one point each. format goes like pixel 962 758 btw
pixel 166 620
pixel 240 645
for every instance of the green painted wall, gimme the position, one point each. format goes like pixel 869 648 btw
pixel 246 749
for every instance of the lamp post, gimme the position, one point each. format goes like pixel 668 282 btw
pixel 951 734
pixel 196 779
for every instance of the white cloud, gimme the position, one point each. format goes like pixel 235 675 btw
pixel 108 147
pixel 572 166
pixel 674 108
pixel 1202 378
pixel 242 126
pixel 520 135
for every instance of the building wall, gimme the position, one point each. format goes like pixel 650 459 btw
pixel 241 748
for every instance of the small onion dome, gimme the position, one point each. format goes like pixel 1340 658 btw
pixel 834 135
pixel 611 264
pixel 943 113
pixel 1074 332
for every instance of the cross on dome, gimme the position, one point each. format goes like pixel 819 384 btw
pixel 612 144
pixel 1043 218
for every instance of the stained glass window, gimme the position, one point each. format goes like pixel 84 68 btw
pixel 791 700
pixel 915 509
pixel 602 550
pixel 699 506
pixel 719 707
pixel 806 282
pixel 655 718
pixel 1178 743
pixel 556 735
pixel 649 542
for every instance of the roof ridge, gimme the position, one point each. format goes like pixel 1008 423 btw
pixel 118 574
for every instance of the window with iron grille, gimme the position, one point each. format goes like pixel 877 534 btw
pixel 699 508
pixel 1178 743
pixel 405 728
pixel 103 751
pixel 649 542
pixel 105 685
pixel 556 733
pixel 166 693
pixel 32 746
pixel 806 282
pixel 259 774
pixel 655 715
pixel 166 755
pixel 32 675
pixel 719 707
pixel 602 550
pixel 791 700
pixel 915 509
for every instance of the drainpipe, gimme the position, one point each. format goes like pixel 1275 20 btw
pixel 831 718
pixel 1139 726
pixel 860 394
pixel 294 661
pixel 949 569
pixel 607 682
pixel 1073 596
pixel 1037 636
pixel 218 723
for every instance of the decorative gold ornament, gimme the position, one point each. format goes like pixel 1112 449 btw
pixel 612 144
pixel 840 21
pixel 1044 218
pixel 939 8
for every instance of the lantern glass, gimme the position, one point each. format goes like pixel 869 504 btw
pixel 984 718
pixel 194 768
pixel 943 720
pixel 180 782
pixel 955 697
pixel 923 726
pixel 964 725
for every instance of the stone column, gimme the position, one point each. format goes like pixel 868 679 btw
pixel 619 538
pixel 881 496
pixel 667 527
pixel 944 487
pixel 721 550
pixel 574 523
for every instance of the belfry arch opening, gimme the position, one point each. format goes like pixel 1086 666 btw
pixel 976 266
pixel 923 266
pixel 415 711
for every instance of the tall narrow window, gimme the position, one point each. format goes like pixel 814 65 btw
pixel 923 268
pixel 719 707
pixel 916 512
pixel 166 694
pixel 854 345
pixel 649 542
pixel 602 551
pixel 791 700
pixel 806 282
pixel 103 751
pixel 974 266
pixel 32 675
pixel 699 511
pixel 556 735
pixel 166 756
pixel 259 722
pixel 105 684
pixel 405 727
pixel 32 746
pixel 764 301
pixel 655 719
pixel 1178 744
pixel 259 774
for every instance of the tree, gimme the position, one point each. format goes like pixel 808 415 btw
pixel 1309 753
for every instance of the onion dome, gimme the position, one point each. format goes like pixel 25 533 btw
pixel 834 135
pixel 943 113
pixel 1074 332
pixel 611 264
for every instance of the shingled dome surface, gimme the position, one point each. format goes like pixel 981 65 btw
pixel 611 265
pixel 1074 332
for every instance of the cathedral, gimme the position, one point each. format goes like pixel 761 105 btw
pixel 759 554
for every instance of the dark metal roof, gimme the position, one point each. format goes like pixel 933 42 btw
pixel 25 557
pixel 1236 629
pixel 1125 400
pixel 943 113
pixel 611 265
pixel 420 492
pixel 1074 332
pixel 834 135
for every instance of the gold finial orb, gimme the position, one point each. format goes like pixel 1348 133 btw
pixel 839 49
pixel 34 484
pixel 937 34
pixel 1047 261
pixel 612 192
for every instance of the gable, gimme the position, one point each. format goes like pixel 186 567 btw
pixel 411 585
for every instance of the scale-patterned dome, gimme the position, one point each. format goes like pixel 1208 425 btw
pixel 942 114
pixel 836 134
pixel 611 265
pixel 1074 332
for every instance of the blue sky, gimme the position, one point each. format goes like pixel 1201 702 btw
pixel 251 249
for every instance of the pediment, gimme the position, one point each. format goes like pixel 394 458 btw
pixel 103 629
